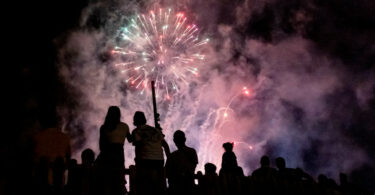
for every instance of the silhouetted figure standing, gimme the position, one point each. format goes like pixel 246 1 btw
pixel 264 178
pixel 110 169
pixel 283 172
pixel 87 172
pixel 346 188
pixel 81 177
pixel 231 175
pixel 73 183
pixel 305 181
pixel 149 160
pixel 286 177
pixel 229 159
pixel 327 185
pixel 209 183
pixel 181 166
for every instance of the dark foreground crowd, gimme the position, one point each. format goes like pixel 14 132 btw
pixel 152 174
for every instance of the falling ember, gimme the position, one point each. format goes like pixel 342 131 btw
pixel 222 115
pixel 246 91
pixel 244 143
pixel 160 46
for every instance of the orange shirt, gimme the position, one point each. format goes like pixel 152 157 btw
pixel 52 143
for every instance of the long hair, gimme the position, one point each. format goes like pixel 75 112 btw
pixel 112 119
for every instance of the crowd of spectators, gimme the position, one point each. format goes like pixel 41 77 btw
pixel 104 174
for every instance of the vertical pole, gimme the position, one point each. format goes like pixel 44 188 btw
pixel 156 115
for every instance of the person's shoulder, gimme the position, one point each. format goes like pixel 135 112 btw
pixel 135 130
pixel 256 171
pixel 148 127
pixel 226 154
pixel 290 170
pixel 272 170
pixel 152 129
pixel 123 125
pixel 144 128
pixel 190 149
pixel 173 155
pixel 231 154
pixel 192 154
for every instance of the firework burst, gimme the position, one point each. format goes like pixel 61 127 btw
pixel 159 46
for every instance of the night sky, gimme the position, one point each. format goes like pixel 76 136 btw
pixel 343 30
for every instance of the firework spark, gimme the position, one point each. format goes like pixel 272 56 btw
pixel 159 46
pixel 219 118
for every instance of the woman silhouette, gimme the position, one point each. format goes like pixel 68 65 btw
pixel 110 167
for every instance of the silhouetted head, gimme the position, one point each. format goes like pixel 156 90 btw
pixel 264 161
pixel 228 147
pixel 112 119
pixel 209 168
pixel 322 179
pixel 199 174
pixel 343 179
pixel 88 157
pixel 139 119
pixel 179 138
pixel 331 183
pixel 280 163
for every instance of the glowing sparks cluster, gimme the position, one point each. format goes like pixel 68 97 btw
pixel 159 46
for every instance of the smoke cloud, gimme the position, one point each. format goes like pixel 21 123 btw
pixel 303 101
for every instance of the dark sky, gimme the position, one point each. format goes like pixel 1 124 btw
pixel 344 29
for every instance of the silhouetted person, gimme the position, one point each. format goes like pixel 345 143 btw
pixel 110 169
pixel 231 175
pixel 58 169
pixel 345 188
pixel 88 158
pixel 149 143
pixel 281 168
pixel 305 182
pixel 324 185
pixel 51 154
pixel 87 172
pixel 81 177
pixel 322 180
pixel 285 179
pixel 303 176
pixel 264 178
pixel 181 166
pixel 73 183
pixel 209 183
pixel 229 159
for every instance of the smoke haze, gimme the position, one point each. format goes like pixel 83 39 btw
pixel 307 96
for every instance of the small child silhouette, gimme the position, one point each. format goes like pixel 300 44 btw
pixel 229 159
